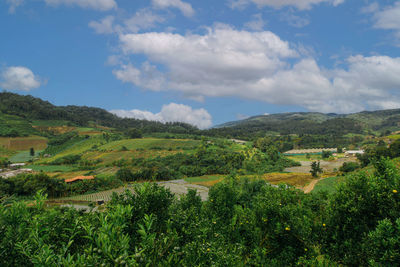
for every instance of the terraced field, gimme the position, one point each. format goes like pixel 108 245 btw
pixel 178 187
pixel 75 149
pixel 152 144
pixel 23 143
pixel 104 195
pixel 23 156
pixel 113 151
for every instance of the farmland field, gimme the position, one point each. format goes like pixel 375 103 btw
pixel 77 148
pixel 327 185
pixel 295 179
pixel 104 195
pixel 22 156
pixel 23 143
pixel 298 180
pixel 206 180
pixel 152 143
pixel 51 168
pixel 49 123
pixel 110 157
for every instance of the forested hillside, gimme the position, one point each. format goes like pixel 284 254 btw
pixel 314 123
pixel 29 109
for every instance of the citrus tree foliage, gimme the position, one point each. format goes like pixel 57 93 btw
pixel 243 223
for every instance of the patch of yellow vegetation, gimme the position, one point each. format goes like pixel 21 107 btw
pixel 294 179
pixel 23 143
pixel 55 129
pixel 67 175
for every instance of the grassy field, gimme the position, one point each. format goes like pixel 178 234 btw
pixel 60 168
pixel 104 195
pixel 328 184
pixel 23 143
pixel 22 156
pixel 77 148
pixel 206 180
pixel 394 137
pixel 50 123
pixel 295 179
pixel 152 144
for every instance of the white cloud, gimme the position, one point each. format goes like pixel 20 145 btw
pixel 147 76
pixel 242 116
pixel 387 18
pixel 256 24
pixel 101 5
pixel 171 113
pixel 255 65
pixel 299 4
pixel 371 8
pixel 184 7
pixel 19 78
pixel 104 26
pixel 13 5
pixel 143 19
pixel 294 20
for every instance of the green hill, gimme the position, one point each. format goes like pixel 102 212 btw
pixel 315 123
pixel 18 113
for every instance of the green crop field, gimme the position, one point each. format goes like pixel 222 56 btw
pixel 76 148
pixel 327 184
pixel 61 168
pixel 22 156
pixel 104 195
pixel 152 143
pixel 23 143
pixel 50 123
pixel 394 137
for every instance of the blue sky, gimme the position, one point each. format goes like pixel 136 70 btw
pixel 203 62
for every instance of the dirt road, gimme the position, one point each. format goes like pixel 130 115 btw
pixel 310 187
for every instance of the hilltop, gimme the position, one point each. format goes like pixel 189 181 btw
pixel 365 122
pixel 22 115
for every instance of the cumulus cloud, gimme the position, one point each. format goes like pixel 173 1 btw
pixel 387 18
pixel 294 20
pixel 299 4
pixel 13 4
pixel 143 19
pixel 19 78
pixel 147 76
pixel 104 26
pixel 101 5
pixel 257 66
pixel 171 113
pixel 256 24
pixel 186 8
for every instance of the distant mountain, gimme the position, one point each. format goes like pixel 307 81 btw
pixel 315 123
pixel 17 110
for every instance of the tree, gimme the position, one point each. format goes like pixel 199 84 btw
pixel 315 169
pixel 125 174
pixel 4 162
pixel 32 152
pixel 134 133
pixel 326 154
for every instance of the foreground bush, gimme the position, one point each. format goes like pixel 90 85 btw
pixel 244 223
